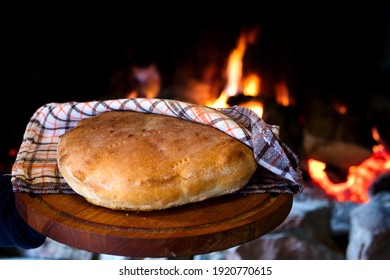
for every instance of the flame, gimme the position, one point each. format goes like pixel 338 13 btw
pixel 234 66
pixel 359 177
pixel 282 94
pixel 221 102
pixel 339 107
pixel 375 135
pixel 132 94
pixel 255 106
pixel 252 85
pixel 249 85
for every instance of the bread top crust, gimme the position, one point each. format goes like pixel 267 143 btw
pixel 128 160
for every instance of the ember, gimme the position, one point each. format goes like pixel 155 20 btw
pixel 359 178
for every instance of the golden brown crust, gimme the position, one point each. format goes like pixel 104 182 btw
pixel 136 161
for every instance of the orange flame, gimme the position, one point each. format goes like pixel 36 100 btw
pixel 282 94
pixel 250 85
pixel 221 102
pixel 234 67
pixel 359 178
pixel 341 109
pixel 255 106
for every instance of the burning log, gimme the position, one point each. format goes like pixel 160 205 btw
pixel 359 179
pixel 339 154
pixel 343 141
pixel 333 136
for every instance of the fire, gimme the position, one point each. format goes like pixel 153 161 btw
pixel 255 106
pixel 249 84
pixel 252 85
pixel 221 102
pixel 359 177
pixel 282 94
pixel 236 83
pixel 234 67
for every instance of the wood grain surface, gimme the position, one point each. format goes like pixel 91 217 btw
pixel 198 228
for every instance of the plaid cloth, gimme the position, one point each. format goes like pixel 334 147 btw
pixel 35 169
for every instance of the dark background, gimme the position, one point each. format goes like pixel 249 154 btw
pixel 59 56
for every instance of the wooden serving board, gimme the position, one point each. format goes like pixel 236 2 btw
pixel 192 229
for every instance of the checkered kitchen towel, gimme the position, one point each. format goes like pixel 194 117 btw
pixel 35 169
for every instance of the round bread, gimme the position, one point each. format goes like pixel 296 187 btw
pixel 126 160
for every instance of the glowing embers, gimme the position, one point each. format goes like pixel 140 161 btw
pixel 359 178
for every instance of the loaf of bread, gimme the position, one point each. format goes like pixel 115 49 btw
pixel 125 160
